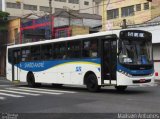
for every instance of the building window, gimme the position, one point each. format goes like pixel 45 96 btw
pixel 146 6
pixel 45 9
pixel 30 7
pixel 61 33
pixel 112 14
pixel 13 5
pixel 74 1
pixel 86 3
pixel 127 11
pixel 138 7
pixel 61 0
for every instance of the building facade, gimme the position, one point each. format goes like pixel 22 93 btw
pixel 133 11
pixel 41 7
pixel 64 24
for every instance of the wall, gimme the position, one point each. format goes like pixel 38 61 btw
pixel 155 8
pixel 14 31
pixel 137 18
pixel 55 4
pixel 87 8
pixel 79 30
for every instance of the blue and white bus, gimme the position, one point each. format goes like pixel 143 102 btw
pixel 95 60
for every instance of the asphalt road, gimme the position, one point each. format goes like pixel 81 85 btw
pixel 69 99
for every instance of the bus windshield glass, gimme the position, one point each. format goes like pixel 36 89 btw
pixel 136 52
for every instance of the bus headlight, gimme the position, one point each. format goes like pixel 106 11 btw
pixel 125 73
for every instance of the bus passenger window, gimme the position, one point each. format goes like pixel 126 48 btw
pixel 47 52
pixel 59 51
pixel 10 52
pixel 25 54
pixel 35 53
pixel 16 56
pixel 94 49
pixel 90 48
pixel 74 49
pixel 86 45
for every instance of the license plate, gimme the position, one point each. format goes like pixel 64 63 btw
pixel 142 80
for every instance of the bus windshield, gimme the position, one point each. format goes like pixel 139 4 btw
pixel 136 52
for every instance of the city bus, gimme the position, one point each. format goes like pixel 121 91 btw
pixel 119 59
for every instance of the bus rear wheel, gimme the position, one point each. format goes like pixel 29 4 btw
pixel 92 83
pixel 31 80
pixel 121 88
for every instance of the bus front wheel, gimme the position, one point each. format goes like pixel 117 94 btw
pixel 121 88
pixel 91 83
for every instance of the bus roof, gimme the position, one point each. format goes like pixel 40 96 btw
pixel 66 38
pixel 116 32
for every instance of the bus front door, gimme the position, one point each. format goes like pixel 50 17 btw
pixel 109 60
pixel 15 64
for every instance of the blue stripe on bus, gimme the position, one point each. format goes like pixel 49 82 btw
pixel 37 66
pixel 134 72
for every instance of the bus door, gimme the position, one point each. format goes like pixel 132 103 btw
pixel 15 64
pixel 109 60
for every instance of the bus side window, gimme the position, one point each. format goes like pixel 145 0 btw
pixel 94 49
pixel 90 48
pixel 26 56
pixel 60 50
pixel 35 53
pixel 86 45
pixel 16 56
pixel 47 52
pixel 74 49
pixel 10 52
pixel 77 49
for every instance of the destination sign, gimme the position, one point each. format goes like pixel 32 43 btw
pixel 135 34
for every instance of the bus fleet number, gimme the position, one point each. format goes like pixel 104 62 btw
pixel 78 69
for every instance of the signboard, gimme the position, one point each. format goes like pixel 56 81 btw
pixel 135 34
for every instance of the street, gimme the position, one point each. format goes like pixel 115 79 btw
pixel 69 99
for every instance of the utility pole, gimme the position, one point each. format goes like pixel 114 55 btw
pixel 50 17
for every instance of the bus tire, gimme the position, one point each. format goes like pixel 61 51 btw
pixel 121 88
pixel 31 80
pixel 92 83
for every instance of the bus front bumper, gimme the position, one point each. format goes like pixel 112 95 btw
pixel 123 80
